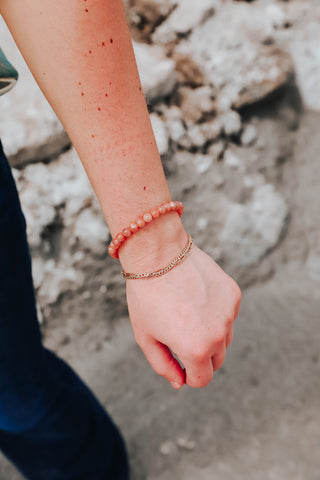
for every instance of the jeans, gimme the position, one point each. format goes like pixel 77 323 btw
pixel 52 427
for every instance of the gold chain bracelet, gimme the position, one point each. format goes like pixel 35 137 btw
pixel 176 261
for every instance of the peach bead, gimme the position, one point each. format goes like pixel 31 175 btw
pixel 126 232
pixel 120 237
pixel 147 217
pixel 162 209
pixel 172 205
pixel 155 213
pixel 168 208
pixel 133 227
pixel 116 242
pixel 140 222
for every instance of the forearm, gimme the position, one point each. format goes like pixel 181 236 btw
pixel 81 55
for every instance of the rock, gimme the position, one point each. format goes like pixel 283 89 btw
pixel 64 190
pixel 199 134
pixel 160 133
pixel 234 60
pixel 90 231
pixel 202 163
pixel 231 123
pixel 216 150
pixel 58 278
pixel 231 160
pixel 157 72
pixel 195 102
pixel 30 130
pixel 304 49
pixel 183 19
pixel 185 443
pixel 276 15
pixel 252 230
pixel 152 11
pixel 249 135
pixel 167 448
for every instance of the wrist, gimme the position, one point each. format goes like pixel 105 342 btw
pixel 154 246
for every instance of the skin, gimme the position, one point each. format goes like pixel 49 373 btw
pixel 81 55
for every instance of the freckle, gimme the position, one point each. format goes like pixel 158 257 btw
pixel 79 83
pixel 44 73
pixel 99 109
pixel 144 188
pixel 103 44
pixel 82 94
pixel 90 51
pixel 110 83
pixel 140 89
pixel 86 10
pixel 105 94
pixel 92 136
pixel 111 41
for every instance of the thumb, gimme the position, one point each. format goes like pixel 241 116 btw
pixel 163 362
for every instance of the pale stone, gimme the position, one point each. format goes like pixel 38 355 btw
pixel 157 72
pixel 30 130
pixel 231 123
pixel 249 135
pixel 252 230
pixel 188 15
pixel 160 133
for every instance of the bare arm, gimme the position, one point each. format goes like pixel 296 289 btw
pixel 80 53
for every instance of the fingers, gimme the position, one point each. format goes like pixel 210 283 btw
pixel 199 374
pixel 163 363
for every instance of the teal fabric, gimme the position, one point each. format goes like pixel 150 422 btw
pixel 8 74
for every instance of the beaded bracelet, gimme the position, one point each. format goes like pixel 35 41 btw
pixel 141 222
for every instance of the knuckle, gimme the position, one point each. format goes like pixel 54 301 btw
pixel 219 337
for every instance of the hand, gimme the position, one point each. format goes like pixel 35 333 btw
pixel 188 311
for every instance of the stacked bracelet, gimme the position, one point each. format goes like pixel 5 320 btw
pixel 162 271
pixel 141 222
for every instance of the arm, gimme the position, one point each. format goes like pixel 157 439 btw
pixel 81 55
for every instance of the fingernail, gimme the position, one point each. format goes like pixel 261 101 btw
pixel 175 385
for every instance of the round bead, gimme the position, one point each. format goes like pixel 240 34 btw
pixel 133 227
pixel 162 209
pixel 116 242
pixel 140 222
pixel 126 232
pixel 168 208
pixel 172 205
pixel 147 217
pixel 155 213
pixel 120 237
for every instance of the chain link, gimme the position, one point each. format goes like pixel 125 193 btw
pixel 161 271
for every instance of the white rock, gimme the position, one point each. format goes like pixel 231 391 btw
pixel 90 230
pixel 176 130
pixel 29 128
pixel 231 123
pixel 167 448
pixel 157 72
pixel 249 135
pixel 234 59
pixel 195 102
pixel 188 15
pixel 58 278
pixel 202 163
pixel 160 133
pixel 304 48
pixel 252 230
pixel 231 160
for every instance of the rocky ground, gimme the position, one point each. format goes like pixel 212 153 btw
pixel 233 90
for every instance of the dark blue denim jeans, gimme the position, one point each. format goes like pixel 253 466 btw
pixel 52 427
